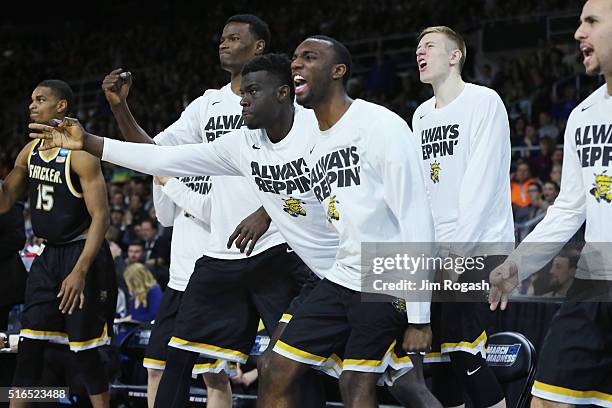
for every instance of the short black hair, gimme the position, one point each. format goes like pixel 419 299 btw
pixel 343 56
pixel 137 242
pixel 257 27
pixel 61 89
pixel 278 65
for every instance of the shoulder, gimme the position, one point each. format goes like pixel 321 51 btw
pixel 84 164
pixel 583 107
pixel 374 115
pixel 482 93
pixel 425 106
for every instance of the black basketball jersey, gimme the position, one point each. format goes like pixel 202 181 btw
pixel 57 207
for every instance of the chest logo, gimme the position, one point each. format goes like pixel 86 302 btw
pixel 434 172
pixel 332 212
pixel 602 187
pixel 293 207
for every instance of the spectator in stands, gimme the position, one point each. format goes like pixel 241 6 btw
pixel 529 141
pixel 542 160
pixel 562 273
pixel 519 185
pixel 550 191
pixel 135 253
pixel 144 293
pixel 567 103
pixel 137 209
pixel 527 217
pixel 156 247
pixel 555 174
pixel 547 129
pixel 517 136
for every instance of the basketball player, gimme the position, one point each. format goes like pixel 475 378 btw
pixel 465 152
pixel 272 159
pixel 575 363
pixel 189 241
pixel 71 289
pixel 196 325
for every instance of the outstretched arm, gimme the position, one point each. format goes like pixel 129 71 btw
pixel 221 158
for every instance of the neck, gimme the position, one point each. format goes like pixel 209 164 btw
pixel 447 89
pixel 608 78
pixel 282 125
pixel 330 111
pixel 235 82
pixel 565 287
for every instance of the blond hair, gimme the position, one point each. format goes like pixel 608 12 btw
pixel 139 280
pixel 451 35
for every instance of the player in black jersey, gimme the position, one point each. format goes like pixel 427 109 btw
pixel 71 289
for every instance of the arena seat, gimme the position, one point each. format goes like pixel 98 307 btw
pixel 513 357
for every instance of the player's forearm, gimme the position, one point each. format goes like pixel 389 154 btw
pixel 95 236
pixel 93 144
pixel 12 188
pixel 130 129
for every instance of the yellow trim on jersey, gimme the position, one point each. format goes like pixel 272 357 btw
pixel 68 179
pixel 31 151
pixel 298 352
pixel 208 347
pixel 567 392
pixel 207 365
pixel 102 337
pixel 471 345
pixel 153 361
pixel 369 363
pixel 44 153
pixel 44 333
pixel 286 318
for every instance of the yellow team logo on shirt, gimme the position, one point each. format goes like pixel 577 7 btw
pixel 400 305
pixel 293 207
pixel 332 213
pixel 602 187
pixel 434 173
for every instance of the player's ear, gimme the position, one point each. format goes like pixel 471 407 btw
pixel 338 71
pixel 283 92
pixel 455 57
pixel 260 47
pixel 62 106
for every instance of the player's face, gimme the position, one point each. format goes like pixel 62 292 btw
pixel 560 270
pixel 594 35
pixel 45 105
pixel 433 55
pixel 260 101
pixel 135 253
pixel 237 46
pixel 312 70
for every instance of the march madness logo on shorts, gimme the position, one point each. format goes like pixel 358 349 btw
pixel 435 172
pixel 332 212
pixel 293 207
pixel 601 187
pixel 502 354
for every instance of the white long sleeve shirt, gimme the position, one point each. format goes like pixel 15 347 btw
pixel 465 152
pixel 276 174
pixel 586 194
pixel 206 119
pixel 191 231
pixel 366 173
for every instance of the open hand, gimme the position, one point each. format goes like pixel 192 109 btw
pixel 71 292
pixel 67 133
pixel 503 280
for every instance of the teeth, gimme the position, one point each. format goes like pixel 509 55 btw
pixel 297 77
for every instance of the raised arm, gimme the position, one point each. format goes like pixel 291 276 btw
pixel 116 87
pixel 15 183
